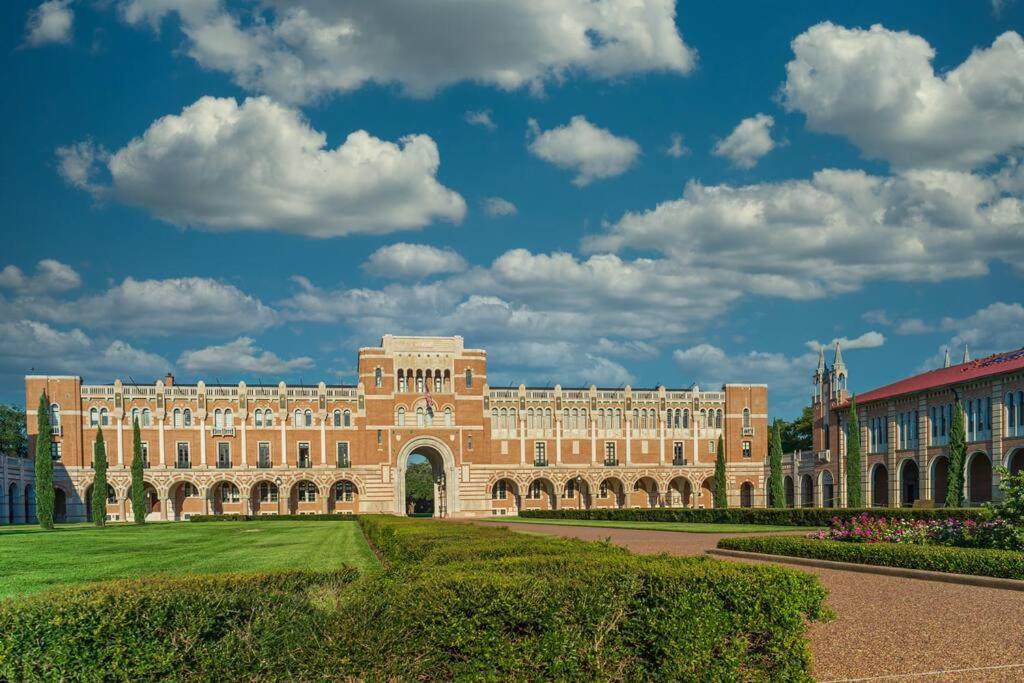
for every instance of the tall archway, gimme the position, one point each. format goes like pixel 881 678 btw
pixel 446 476
pixel 12 504
pixel 940 479
pixel 265 498
pixel 879 486
pixel 645 493
pixel 680 492
pixel 540 495
pixel 1015 463
pixel 505 497
pixel 185 500
pixel 30 504
pixel 611 493
pixel 707 493
pixel 979 478
pixel 807 491
pixel 787 488
pixel 225 498
pixel 828 490
pixel 910 482
pixel 576 494
pixel 60 505
pixel 746 495
pixel 304 498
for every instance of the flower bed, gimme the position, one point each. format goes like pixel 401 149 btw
pixel 769 516
pixel 963 533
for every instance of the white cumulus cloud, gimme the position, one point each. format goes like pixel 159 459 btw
pixel 50 22
pixel 240 356
pixel 868 340
pixel 50 276
pixel 404 260
pixel 748 142
pixel 480 118
pixel 593 153
pixel 299 50
pixel 259 165
pixel 878 88
pixel 496 206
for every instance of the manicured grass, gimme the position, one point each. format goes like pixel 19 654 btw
pixel 32 559
pixel 692 527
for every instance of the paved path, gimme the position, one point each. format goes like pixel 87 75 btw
pixel 888 628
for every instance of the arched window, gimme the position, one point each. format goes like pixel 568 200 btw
pixel 378 377
pixel 187 417
pixel 603 489
pixel 337 418
pixel 500 490
pixel 268 418
pixel 111 495
pixel 686 418
pixel 309 418
pixel 228 493
pixel 343 491
pixel 297 418
pixel 346 418
pixel 189 490
pixel 419 382
pixel 94 417
pixel 229 419
pixel 420 417
pixel 147 417
pixel 570 489
pixel 534 489
pixel 618 418
pixel 258 418
pixel 135 416
pixel 746 418
pixel 438 384
pixel 218 419
pixel 305 491
pixel 469 378
pixel 55 415
pixel 429 415
pixel 448 418
pixel 104 417
pixel 267 492
pixel 402 386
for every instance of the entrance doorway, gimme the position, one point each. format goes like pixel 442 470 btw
pixel 419 487
pixel 443 497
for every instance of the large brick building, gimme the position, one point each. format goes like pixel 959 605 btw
pixel 904 433
pixel 330 448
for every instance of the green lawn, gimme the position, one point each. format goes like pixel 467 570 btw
pixel 692 527
pixel 32 559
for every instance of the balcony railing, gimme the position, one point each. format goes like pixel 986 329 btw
pixel 344 463
pixel 223 464
pixel 748 431
pixel 540 462
pixel 56 430
pixel 611 462
pixel 305 463
pixel 264 463
pixel 182 464
pixel 223 431
pixel 678 462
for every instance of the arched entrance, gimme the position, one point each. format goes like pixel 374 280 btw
pixel 828 490
pixel 445 474
pixel 645 493
pixel 611 493
pixel 807 491
pixel 343 497
pixel 1015 463
pixel 12 504
pixel 60 505
pixel 30 504
pixel 746 495
pixel 265 498
pixel 680 490
pixel 111 500
pixel 225 498
pixel 540 495
pixel 576 494
pixel 185 500
pixel 707 493
pixel 304 498
pixel 787 487
pixel 940 479
pixel 910 481
pixel 879 486
pixel 979 478
pixel 505 498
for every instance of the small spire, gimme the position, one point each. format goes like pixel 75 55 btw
pixel 821 360
pixel 946 362
pixel 967 354
pixel 837 361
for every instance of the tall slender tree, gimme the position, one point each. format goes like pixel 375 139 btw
pixel 44 465
pixel 138 487
pixel 721 493
pixel 99 482
pixel 957 452
pixel 854 468
pixel 776 494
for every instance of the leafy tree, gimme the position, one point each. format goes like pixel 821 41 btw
pixel 13 437
pixel 99 482
pixel 796 435
pixel 721 493
pixel 419 486
pixel 957 452
pixel 776 494
pixel 854 468
pixel 1011 507
pixel 44 465
pixel 138 487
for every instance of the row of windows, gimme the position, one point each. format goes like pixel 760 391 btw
pixel 878 434
pixel 264 457
pixel 906 429
pixel 440 381
pixel 424 417
pixel 222 418
pixel 575 419
pixel 1013 406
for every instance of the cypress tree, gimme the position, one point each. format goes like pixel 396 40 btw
pixel 138 487
pixel 957 452
pixel 854 473
pixel 99 482
pixel 776 494
pixel 721 494
pixel 44 465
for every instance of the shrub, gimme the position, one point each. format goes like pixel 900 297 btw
pixel 784 517
pixel 468 602
pixel 232 517
pixel 1005 564
pixel 216 627
pixel 865 528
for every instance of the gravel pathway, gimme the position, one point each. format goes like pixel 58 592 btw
pixel 888 628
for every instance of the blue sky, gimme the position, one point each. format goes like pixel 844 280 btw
pixel 613 192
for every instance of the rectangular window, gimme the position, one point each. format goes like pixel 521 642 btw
pixel 540 455
pixel 304 458
pixel 610 458
pixel 145 454
pixel 343 457
pixel 263 454
pixel 711 446
pixel 55 450
pixel 746 449
pixel 677 453
pixel 182 461
pixel 223 455
pixel 380 438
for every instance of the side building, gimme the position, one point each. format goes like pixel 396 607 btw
pixel 904 434
pixel 345 448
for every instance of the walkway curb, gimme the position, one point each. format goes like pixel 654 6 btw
pixel 922 574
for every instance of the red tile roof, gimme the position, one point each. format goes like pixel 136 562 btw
pixel 995 364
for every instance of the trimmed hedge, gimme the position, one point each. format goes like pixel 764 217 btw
pixel 213 627
pixel 1005 564
pixel 319 517
pixel 772 516
pixel 461 601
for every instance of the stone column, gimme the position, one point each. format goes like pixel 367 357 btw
pixel 323 442
pixel 895 494
pixel 167 509
pixel 284 443
pixel 202 442
pixel 661 439
pixel 996 436
pixel 558 439
pixel 522 440
pixel 629 438
pixel 120 444
pixel 163 461
pixel 924 475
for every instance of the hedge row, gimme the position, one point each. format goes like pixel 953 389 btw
pixel 319 517
pixel 772 516
pixel 216 627
pixel 1004 564
pixel 461 601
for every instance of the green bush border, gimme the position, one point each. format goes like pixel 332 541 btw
pixel 319 517
pixel 766 516
pixel 1004 564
